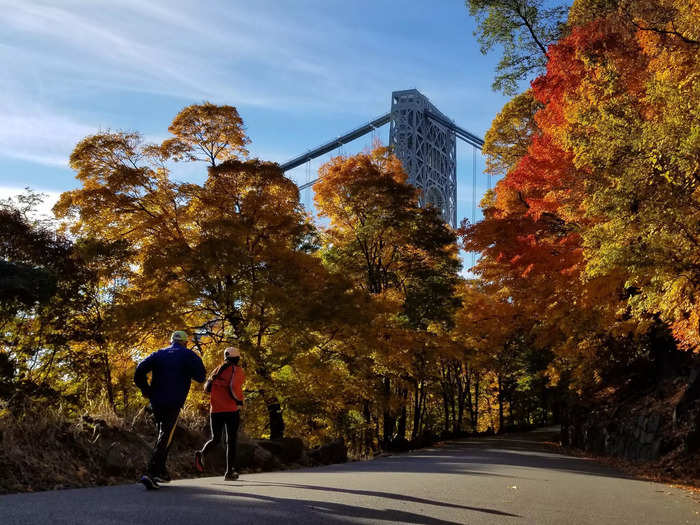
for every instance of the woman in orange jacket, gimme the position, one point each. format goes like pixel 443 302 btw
pixel 225 386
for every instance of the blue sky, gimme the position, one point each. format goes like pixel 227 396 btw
pixel 300 72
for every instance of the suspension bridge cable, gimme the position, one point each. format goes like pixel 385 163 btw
pixel 473 196
pixel 308 189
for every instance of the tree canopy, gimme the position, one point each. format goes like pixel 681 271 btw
pixel 362 324
pixel 523 30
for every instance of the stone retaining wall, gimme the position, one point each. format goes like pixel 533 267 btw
pixel 638 430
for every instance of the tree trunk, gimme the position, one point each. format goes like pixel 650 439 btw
pixel 274 410
pixel 447 392
pixel 462 385
pixel 446 406
pixel 489 411
pixel 367 433
pixel 401 430
pixel 500 404
pixel 422 408
pixel 389 419
pixel 511 416
pixel 470 400
pixel 477 392
pixel 416 411
pixel 453 411
pixel 125 400
pixel 108 380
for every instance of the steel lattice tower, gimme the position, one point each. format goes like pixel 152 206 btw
pixel 423 139
pixel 427 149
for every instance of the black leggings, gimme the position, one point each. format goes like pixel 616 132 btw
pixel 229 421
pixel 165 419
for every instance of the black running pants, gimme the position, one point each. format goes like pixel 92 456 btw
pixel 221 421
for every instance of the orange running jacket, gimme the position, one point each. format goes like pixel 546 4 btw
pixel 226 389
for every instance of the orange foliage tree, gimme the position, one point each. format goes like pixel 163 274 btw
pixel 404 256
pixel 593 231
pixel 232 259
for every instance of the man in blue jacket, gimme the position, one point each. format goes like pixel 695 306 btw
pixel 172 370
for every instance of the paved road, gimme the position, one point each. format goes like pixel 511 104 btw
pixel 486 481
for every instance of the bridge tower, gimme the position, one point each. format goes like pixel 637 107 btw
pixel 427 149
pixel 424 140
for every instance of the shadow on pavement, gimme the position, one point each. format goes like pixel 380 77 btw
pixel 329 509
pixel 179 504
pixel 386 495
pixel 477 456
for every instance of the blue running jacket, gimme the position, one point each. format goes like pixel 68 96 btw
pixel 172 370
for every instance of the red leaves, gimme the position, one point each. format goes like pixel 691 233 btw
pixel 609 162
pixel 544 176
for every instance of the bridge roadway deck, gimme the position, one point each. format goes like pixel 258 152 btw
pixel 479 481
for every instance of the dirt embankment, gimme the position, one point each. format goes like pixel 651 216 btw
pixel 42 450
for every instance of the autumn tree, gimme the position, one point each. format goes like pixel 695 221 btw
pixel 403 255
pixel 46 295
pixel 637 144
pixel 523 29
pixel 32 261
pixel 100 340
pixel 497 333
pixel 509 136
pixel 592 232
pixel 231 258
pixel 206 132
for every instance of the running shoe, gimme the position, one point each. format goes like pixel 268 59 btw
pixel 149 482
pixel 199 461
pixel 231 475
pixel 163 477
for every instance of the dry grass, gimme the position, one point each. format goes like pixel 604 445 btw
pixel 50 448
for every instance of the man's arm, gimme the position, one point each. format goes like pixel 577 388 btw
pixel 141 375
pixel 197 370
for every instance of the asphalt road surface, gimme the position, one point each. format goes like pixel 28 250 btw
pixel 509 480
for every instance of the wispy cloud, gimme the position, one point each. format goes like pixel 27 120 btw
pixel 54 52
pixel 176 51
pixel 73 67
pixel 246 52
pixel 40 136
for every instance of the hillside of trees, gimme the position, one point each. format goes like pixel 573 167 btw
pixel 363 325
